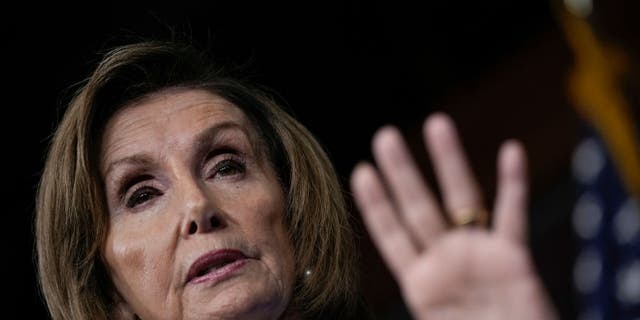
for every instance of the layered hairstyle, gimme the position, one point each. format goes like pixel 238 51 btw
pixel 72 218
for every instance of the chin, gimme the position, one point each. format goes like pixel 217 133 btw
pixel 240 298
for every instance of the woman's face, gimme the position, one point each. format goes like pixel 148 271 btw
pixel 196 212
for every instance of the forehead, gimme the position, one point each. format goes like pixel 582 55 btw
pixel 168 117
pixel 176 104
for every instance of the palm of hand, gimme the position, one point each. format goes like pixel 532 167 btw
pixel 460 273
pixel 471 274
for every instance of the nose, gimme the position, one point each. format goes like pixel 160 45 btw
pixel 201 214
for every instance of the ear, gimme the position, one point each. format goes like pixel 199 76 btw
pixel 121 309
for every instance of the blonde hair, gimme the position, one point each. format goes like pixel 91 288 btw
pixel 71 220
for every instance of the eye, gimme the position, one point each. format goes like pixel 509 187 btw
pixel 230 166
pixel 142 195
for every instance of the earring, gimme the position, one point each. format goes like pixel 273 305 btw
pixel 307 273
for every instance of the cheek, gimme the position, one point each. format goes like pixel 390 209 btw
pixel 266 228
pixel 264 216
pixel 137 260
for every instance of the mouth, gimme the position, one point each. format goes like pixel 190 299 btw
pixel 215 265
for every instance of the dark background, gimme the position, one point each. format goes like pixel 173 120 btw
pixel 344 68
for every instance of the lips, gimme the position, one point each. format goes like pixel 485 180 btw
pixel 215 264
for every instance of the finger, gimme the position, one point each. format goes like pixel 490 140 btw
pixel 511 199
pixel 460 191
pixel 388 234
pixel 415 201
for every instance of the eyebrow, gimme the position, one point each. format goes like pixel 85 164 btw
pixel 210 134
pixel 201 141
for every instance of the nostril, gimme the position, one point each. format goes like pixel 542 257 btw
pixel 202 226
pixel 193 227
pixel 215 222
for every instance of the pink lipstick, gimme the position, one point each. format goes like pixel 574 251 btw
pixel 215 266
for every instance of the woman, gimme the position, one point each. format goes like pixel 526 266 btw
pixel 171 191
pixel 98 187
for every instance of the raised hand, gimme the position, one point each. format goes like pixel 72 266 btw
pixel 460 272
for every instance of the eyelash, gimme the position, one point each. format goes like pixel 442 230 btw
pixel 229 162
pixel 144 193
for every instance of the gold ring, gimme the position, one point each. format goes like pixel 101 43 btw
pixel 470 217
